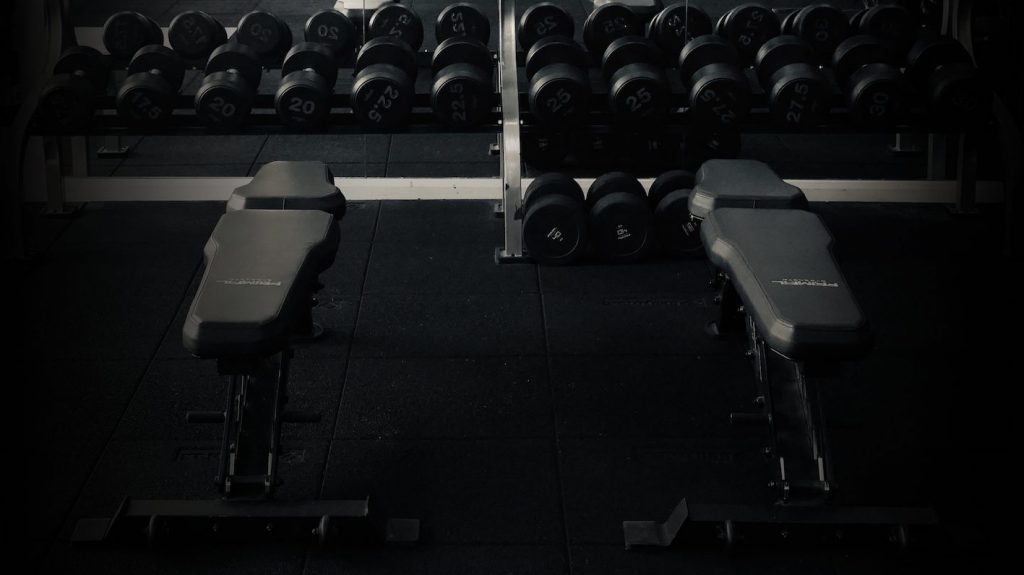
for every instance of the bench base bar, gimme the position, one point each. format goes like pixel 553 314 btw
pixel 320 521
pixel 732 523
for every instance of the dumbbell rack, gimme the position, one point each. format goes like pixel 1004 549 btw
pixel 952 155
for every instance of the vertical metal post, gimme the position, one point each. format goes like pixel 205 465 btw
pixel 511 166
pixel 78 156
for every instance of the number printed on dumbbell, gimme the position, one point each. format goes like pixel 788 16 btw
pixel 261 32
pixel 622 233
pixel 385 101
pixel 556 235
pixel 146 106
pixel 639 99
pixel 222 108
pixel 558 100
pixel 752 24
pixel 545 25
pixel 797 105
pixel 300 106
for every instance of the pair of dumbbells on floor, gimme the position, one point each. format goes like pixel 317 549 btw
pixel 620 220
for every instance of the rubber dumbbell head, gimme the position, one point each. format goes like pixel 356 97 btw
pixel 384 89
pixel 798 93
pixel 544 20
pixel 559 90
pixel 748 26
pixel 68 101
pixel 638 89
pixel 943 71
pixel 125 33
pixel 149 93
pixel 265 33
pixel 676 25
pixel 397 21
pixel 718 88
pixel 678 234
pixel 820 26
pixel 620 218
pixel 462 19
pixel 195 34
pixel 891 23
pixel 463 90
pixel 876 91
pixel 225 97
pixel 608 22
pixel 308 74
pixel 332 29
pixel 554 220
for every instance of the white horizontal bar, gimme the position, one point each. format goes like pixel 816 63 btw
pixel 113 189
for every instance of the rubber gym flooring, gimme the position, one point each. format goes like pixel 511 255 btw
pixel 520 412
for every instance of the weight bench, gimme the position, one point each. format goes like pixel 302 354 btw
pixel 261 268
pixel 780 283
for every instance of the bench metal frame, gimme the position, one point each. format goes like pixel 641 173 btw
pixel 798 448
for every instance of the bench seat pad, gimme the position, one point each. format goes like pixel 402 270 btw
pixel 290 186
pixel 261 268
pixel 741 184
pixel 782 266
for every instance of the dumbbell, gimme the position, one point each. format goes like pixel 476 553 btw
pixel 638 90
pixel 462 20
pixel 820 26
pixel 678 234
pixel 125 33
pixel 396 21
pixel 719 93
pixel 148 95
pixel 463 90
pixel 232 78
pixel 620 219
pixel 384 88
pixel 607 22
pixel 676 25
pixel 68 101
pixel 554 220
pixel 195 34
pixel 308 74
pixel 748 26
pixel 876 91
pixel 799 94
pixel 332 29
pixel 265 33
pixel 891 23
pixel 559 90
pixel 943 72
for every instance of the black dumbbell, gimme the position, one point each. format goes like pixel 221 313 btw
pixel 265 33
pixel 676 25
pixel 891 23
pixel 232 78
pixel 543 20
pixel 620 219
pixel 607 22
pixel 68 101
pixel 554 220
pixel 308 74
pixel 748 26
pixel 385 84
pixel 544 149
pixel 638 90
pixel 799 94
pixel 704 143
pixel 148 95
pixel 820 26
pixel 678 234
pixel 125 33
pixel 719 93
pixel 332 29
pixel 463 90
pixel 943 72
pixel 396 21
pixel 559 91
pixel 876 91
pixel 195 34
pixel 462 20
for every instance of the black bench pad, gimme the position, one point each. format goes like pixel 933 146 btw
pixel 741 184
pixel 261 268
pixel 781 264
pixel 290 186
